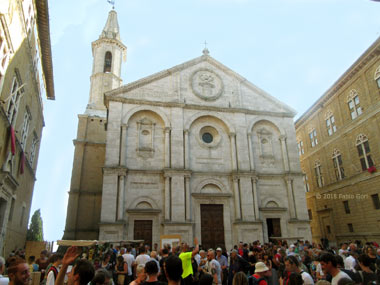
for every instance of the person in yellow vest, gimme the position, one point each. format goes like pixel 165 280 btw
pixel 186 256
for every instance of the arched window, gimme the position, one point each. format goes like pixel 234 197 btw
pixel 364 151
pixel 107 62
pixel 377 76
pixel 338 165
pixel 318 174
pixel 354 104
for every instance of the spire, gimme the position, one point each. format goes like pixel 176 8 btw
pixel 111 29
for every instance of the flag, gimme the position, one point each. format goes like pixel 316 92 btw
pixel 13 141
pixel 22 162
pixel 111 2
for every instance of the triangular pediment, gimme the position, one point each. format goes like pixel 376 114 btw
pixel 201 81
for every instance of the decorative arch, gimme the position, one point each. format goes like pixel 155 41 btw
pixel 259 120
pixel 352 94
pixel 212 181
pixel 198 115
pixel 157 111
pixel 144 200
pixel 271 202
pixel 361 138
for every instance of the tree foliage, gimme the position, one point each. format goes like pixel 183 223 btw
pixel 35 231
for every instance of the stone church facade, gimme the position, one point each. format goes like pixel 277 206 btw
pixel 195 150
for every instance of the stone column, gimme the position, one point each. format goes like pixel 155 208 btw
pixel 237 198
pixel 256 198
pixel 123 146
pixel 167 198
pixel 284 153
pixel 187 150
pixel 292 210
pixel 233 150
pixel 188 198
pixel 250 151
pixel 167 147
pixel 120 210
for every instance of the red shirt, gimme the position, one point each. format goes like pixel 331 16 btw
pixel 262 282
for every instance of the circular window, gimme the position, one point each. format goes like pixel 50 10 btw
pixel 207 137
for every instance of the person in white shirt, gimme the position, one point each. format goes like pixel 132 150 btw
pixel 142 258
pixel 130 261
pixel 3 280
pixel 350 262
pixel 329 265
pixel 343 251
pixel 52 274
pixel 292 265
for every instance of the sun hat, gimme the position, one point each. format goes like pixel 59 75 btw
pixel 260 267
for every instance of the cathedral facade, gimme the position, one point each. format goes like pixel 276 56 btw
pixel 195 150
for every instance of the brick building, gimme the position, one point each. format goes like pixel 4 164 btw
pixel 339 146
pixel 25 78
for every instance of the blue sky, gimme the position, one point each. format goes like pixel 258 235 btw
pixel 293 49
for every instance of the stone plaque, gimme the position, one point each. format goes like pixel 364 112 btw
pixel 206 84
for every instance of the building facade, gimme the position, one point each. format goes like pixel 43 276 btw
pixel 339 146
pixel 195 150
pixel 25 77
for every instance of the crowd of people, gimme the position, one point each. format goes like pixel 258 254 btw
pixel 246 264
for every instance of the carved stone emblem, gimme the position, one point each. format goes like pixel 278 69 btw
pixel 206 84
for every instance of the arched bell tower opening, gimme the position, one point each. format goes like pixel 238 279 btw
pixel 108 62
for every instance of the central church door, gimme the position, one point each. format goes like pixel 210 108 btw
pixel 143 230
pixel 212 226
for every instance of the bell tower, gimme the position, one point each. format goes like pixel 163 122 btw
pixel 85 195
pixel 108 53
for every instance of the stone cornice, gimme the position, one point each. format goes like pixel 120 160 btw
pixel 240 222
pixel 84 192
pixel 357 66
pixel 174 223
pixel 169 172
pixel 211 195
pixel 143 211
pixel 119 170
pixel 108 98
pixel 44 39
pixel 80 142
pixel 108 40
pixel 273 209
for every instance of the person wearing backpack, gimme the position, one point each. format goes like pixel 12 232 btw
pixel 258 278
pixel 53 270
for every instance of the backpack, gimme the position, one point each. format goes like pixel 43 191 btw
pixel 252 280
pixel 55 271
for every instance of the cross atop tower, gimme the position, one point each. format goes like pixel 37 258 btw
pixel 112 2
pixel 205 50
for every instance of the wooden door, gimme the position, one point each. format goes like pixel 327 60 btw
pixel 212 226
pixel 274 227
pixel 143 230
